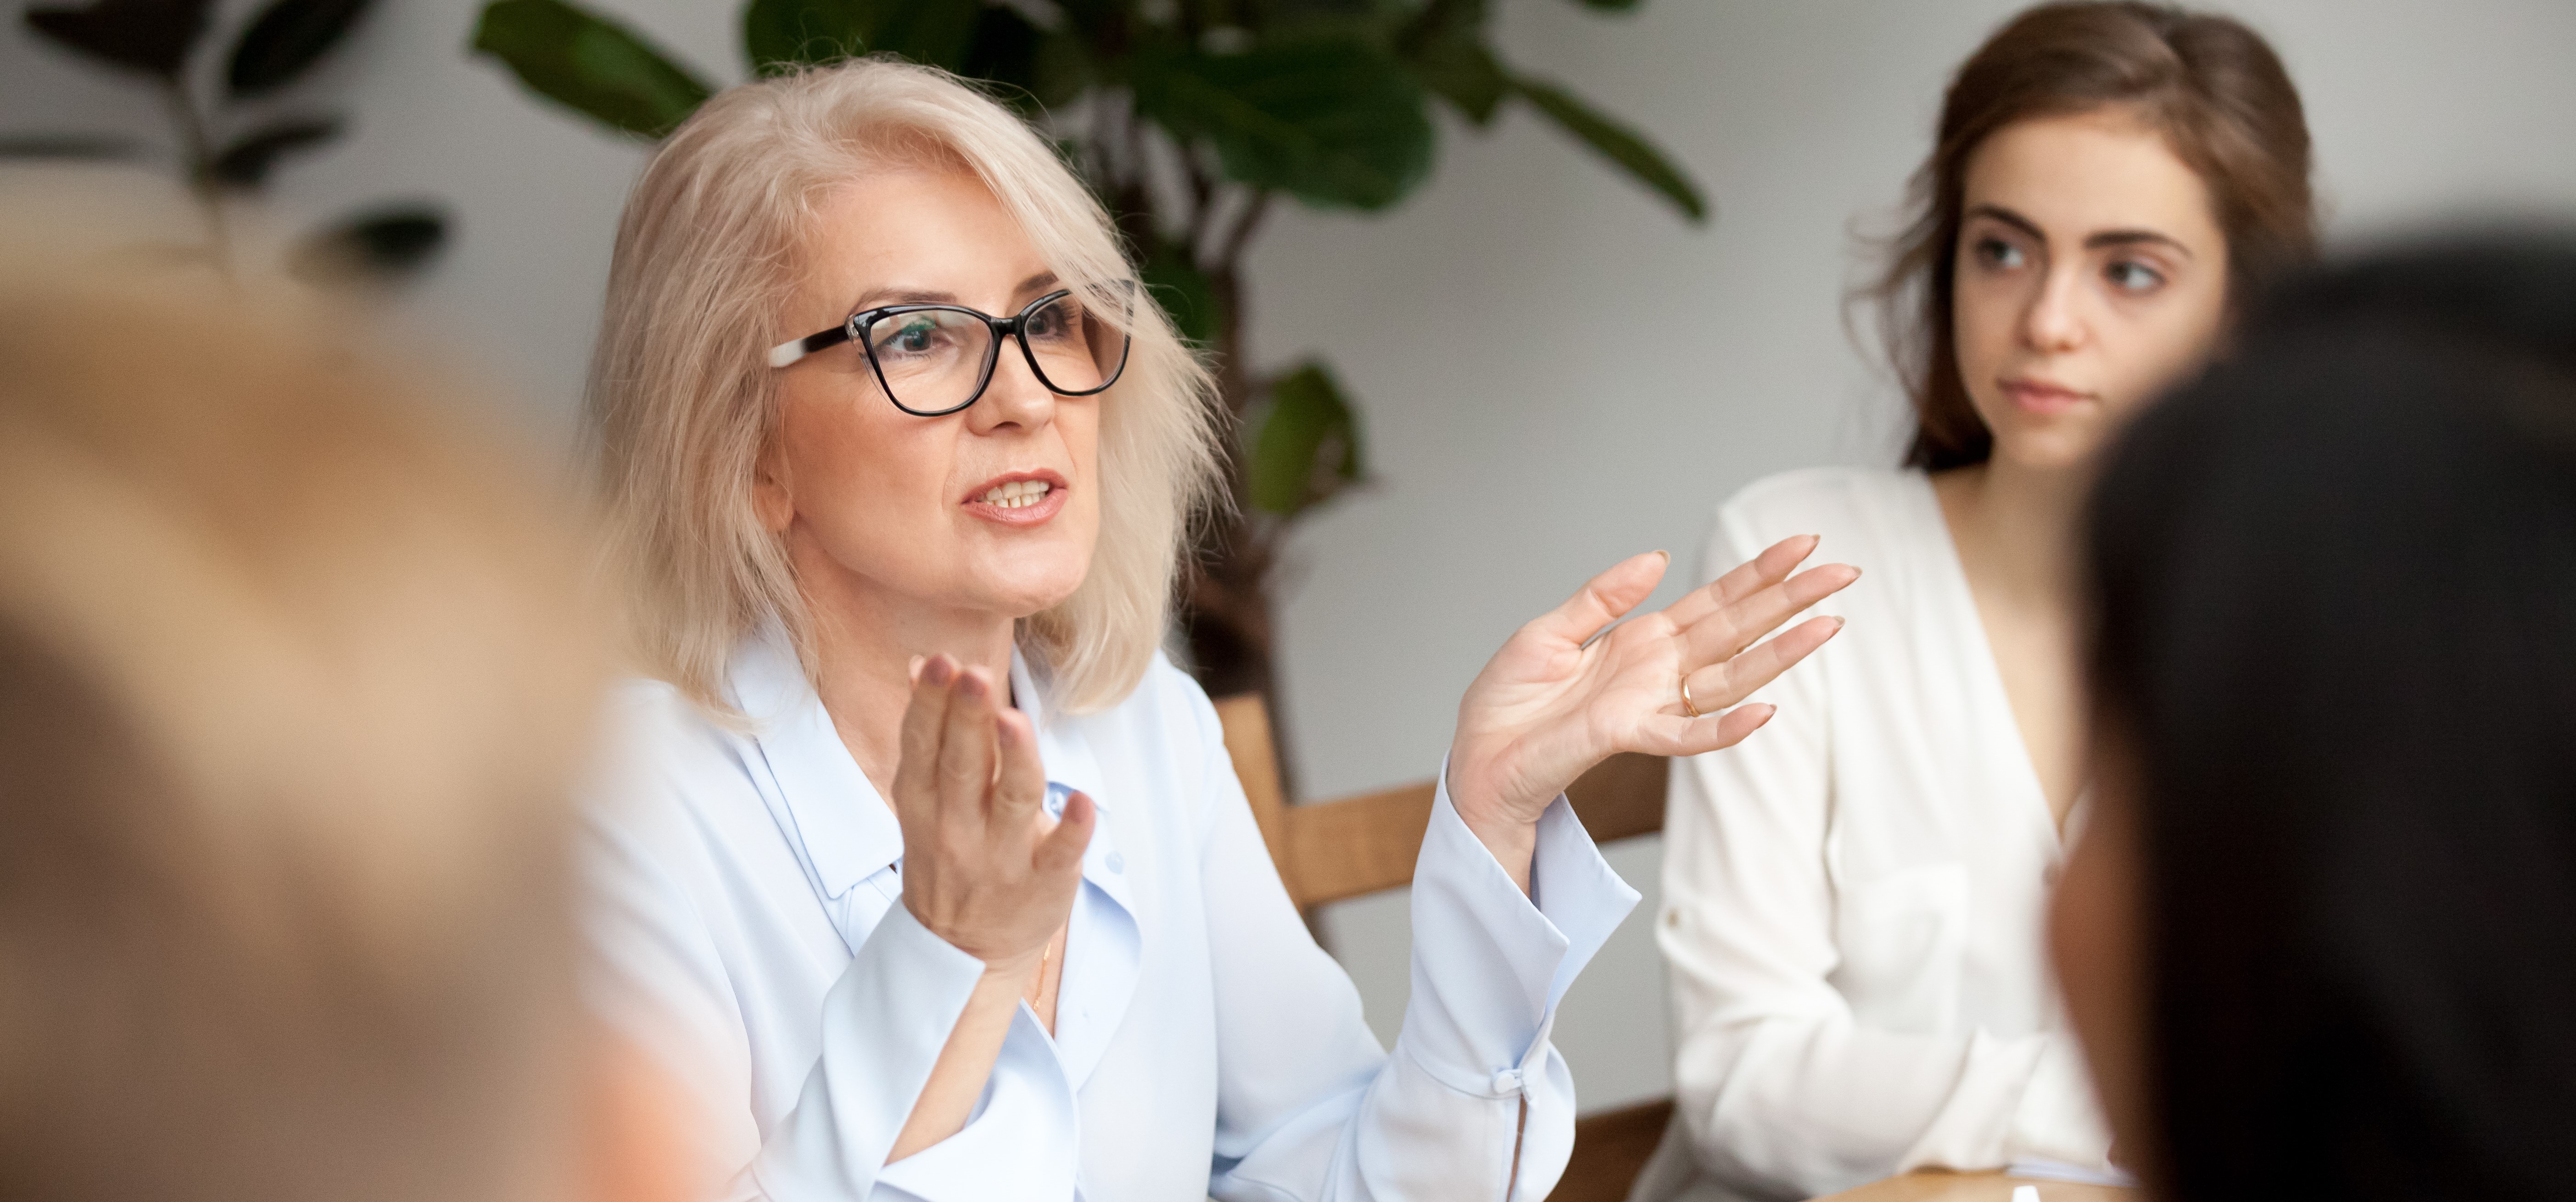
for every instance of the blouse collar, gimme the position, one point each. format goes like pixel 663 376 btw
pixel 848 830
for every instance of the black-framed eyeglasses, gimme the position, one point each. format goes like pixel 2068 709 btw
pixel 937 359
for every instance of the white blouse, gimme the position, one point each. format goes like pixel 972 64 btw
pixel 1854 896
pixel 749 921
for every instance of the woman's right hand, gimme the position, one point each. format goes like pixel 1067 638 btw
pixel 984 866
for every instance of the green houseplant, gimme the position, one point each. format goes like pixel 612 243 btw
pixel 230 138
pixel 1324 102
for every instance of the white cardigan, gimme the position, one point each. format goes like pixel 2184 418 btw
pixel 748 916
pixel 1854 897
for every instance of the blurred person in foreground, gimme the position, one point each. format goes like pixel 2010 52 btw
pixel 295 680
pixel 1854 903
pixel 2320 940
pixel 934 872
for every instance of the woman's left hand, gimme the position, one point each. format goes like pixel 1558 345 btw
pixel 1557 700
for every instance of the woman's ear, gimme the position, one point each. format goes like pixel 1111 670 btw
pixel 641 1146
pixel 771 499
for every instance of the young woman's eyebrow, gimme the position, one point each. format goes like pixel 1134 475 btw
pixel 2008 217
pixel 2132 238
pixel 2091 241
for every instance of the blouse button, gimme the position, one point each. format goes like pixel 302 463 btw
pixel 1117 862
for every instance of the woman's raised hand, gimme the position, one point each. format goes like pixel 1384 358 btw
pixel 984 866
pixel 1556 699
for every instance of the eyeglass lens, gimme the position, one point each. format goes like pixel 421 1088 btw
pixel 934 360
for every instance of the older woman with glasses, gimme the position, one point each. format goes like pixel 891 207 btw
pixel 922 861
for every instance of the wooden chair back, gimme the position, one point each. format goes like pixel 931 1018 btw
pixel 1331 851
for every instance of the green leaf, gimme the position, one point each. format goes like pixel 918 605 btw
pixel 246 163
pixel 1619 144
pixel 1183 290
pixel 788 33
pixel 285 39
pixel 1063 69
pixel 1308 446
pixel 1444 47
pixel 1039 68
pixel 378 246
pixel 589 64
pixel 1099 22
pixel 1335 122
pixel 151 36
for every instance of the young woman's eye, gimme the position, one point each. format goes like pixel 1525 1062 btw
pixel 1995 252
pixel 2133 277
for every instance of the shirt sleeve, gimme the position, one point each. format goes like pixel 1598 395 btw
pixel 1309 1106
pixel 658 926
pixel 1781 1090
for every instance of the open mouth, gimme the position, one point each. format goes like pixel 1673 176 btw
pixel 1018 494
pixel 1018 499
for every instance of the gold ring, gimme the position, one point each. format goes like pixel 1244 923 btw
pixel 1688 706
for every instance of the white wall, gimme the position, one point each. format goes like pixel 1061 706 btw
pixel 1555 371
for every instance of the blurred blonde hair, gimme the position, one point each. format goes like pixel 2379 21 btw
pixel 681 397
pixel 294 683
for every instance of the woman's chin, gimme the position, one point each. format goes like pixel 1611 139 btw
pixel 2054 447
pixel 1029 594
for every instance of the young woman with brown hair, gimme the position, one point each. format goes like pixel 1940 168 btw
pixel 1853 903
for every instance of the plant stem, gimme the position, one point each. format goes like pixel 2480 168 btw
pixel 1202 203
pixel 1230 256
pixel 198 150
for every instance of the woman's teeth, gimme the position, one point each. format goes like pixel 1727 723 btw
pixel 1017 493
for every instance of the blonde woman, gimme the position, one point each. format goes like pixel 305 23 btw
pixel 928 866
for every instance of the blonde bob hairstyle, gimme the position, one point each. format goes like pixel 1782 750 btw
pixel 682 399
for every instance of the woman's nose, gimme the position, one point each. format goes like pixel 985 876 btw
pixel 2052 323
pixel 1015 397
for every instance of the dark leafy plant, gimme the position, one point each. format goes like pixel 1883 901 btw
pixel 231 146
pixel 1325 102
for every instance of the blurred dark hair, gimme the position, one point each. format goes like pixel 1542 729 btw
pixel 2214 89
pixel 2335 582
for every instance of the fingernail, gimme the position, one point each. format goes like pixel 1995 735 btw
pixel 1668 556
pixel 912 671
pixel 1006 734
pixel 1839 623
pixel 939 671
pixel 971 683
pixel 1767 711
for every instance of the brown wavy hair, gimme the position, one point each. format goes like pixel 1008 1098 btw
pixel 2211 86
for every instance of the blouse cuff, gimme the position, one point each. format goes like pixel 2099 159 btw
pixel 884 1024
pixel 1020 1142
pixel 1490 963
pixel 2058 1118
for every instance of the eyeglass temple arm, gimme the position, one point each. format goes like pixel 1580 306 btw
pixel 786 353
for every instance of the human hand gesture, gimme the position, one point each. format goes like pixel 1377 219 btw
pixel 984 866
pixel 1557 700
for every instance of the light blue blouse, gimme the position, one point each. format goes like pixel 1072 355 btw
pixel 747 914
